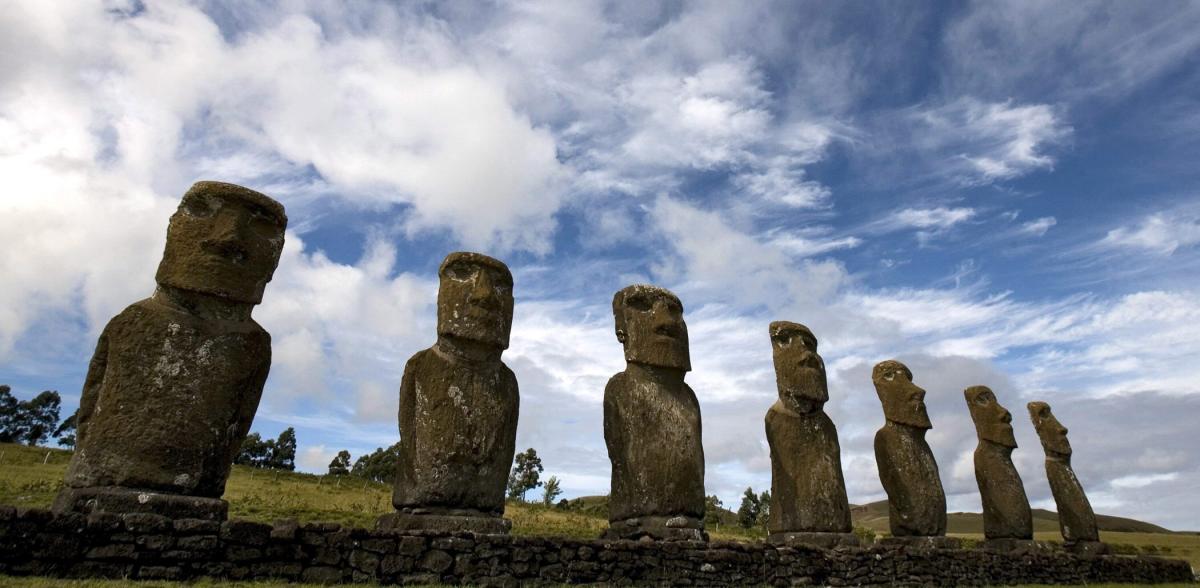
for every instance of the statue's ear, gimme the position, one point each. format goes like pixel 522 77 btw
pixel 621 335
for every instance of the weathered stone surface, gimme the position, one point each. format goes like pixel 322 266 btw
pixel 483 525
pixel 1076 519
pixel 916 501
pixel 115 499
pixel 1006 513
pixel 51 547
pixel 176 378
pixel 808 492
pixel 827 540
pixel 458 403
pixel 916 543
pixel 652 422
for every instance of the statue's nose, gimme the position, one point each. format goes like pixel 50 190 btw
pixel 482 290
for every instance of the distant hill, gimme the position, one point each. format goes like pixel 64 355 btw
pixel 875 516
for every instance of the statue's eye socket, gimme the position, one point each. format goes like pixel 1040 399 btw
pixel 199 206
pixel 502 283
pixel 460 271
pixel 675 307
pixel 782 340
pixel 889 376
pixel 639 303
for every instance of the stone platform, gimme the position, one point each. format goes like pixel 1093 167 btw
pixel 147 546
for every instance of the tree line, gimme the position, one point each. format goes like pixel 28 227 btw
pixel 34 421
pixel 380 466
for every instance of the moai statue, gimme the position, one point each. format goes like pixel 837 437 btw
pixel 176 378
pixel 458 408
pixel 808 492
pixel 1076 519
pixel 652 423
pixel 1007 520
pixel 916 501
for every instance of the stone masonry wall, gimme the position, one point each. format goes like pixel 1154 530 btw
pixel 144 546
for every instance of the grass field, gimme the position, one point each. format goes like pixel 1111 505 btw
pixel 32 476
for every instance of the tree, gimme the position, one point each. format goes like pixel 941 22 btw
pixel 379 465
pixel 8 415
pixel 524 477
pixel 65 433
pixel 748 511
pixel 712 511
pixel 277 454
pixel 255 452
pixel 764 508
pixel 551 491
pixel 283 453
pixel 340 466
pixel 37 418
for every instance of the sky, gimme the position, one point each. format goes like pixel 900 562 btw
pixel 995 193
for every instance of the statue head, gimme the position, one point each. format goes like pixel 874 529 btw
pixel 799 371
pixel 475 300
pixel 1052 433
pixel 903 401
pixel 223 240
pixel 649 322
pixel 992 422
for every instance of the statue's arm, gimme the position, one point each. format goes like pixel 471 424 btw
pixel 408 398
pixel 612 416
pixel 92 385
pixel 248 402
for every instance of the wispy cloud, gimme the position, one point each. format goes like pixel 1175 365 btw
pixel 1158 233
pixel 981 142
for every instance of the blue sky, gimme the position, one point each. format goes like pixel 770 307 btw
pixel 998 193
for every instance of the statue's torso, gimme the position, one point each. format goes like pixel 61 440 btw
pixel 1006 513
pixel 653 436
pixel 1075 516
pixel 458 425
pixel 175 400
pixel 808 492
pixel 917 503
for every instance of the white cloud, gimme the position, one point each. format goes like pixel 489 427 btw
pixel 983 142
pixel 315 458
pixel 928 218
pixel 1038 227
pixel 1104 50
pixel 1158 233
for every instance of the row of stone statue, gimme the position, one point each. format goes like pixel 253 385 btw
pixel 176 379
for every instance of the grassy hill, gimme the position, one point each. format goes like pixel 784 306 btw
pixel 875 516
pixel 31 476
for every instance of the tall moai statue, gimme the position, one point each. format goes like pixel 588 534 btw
pixel 458 407
pixel 176 378
pixel 1076 519
pixel 1007 520
pixel 808 492
pixel 916 501
pixel 652 423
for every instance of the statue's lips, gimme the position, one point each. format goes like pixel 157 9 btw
pixel 227 252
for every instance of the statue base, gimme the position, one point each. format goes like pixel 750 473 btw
pixel 1087 548
pixel 118 500
pixel 444 523
pixel 1010 545
pixel 935 542
pixel 677 528
pixel 826 540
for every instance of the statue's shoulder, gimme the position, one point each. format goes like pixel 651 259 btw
pixel 420 359
pixel 777 411
pixel 617 387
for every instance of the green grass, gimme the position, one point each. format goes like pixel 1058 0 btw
pixel 31 476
